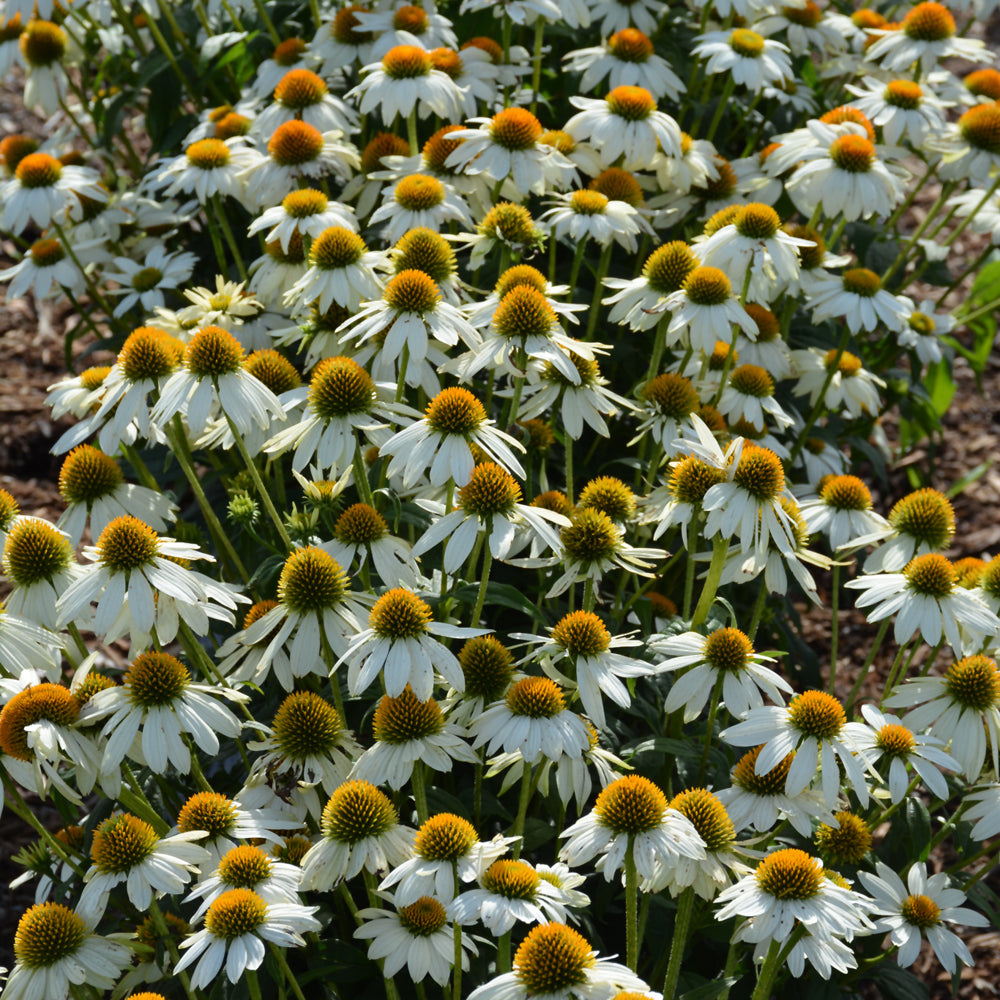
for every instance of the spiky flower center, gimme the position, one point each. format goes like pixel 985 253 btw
pixel 582 633
pixel 383 144
pixel 931 575
pixel 412 292
pixel 983 83
pixel 438 148
pixel 406 62
pixel 630 45
pixel 235 913
pixel 747 43
pixel 510 223
pixel 301 204
pixel 728 649
pixel 511 879
pixel 455 411
pixel 156 679
pixel 974 682
pixel 903 94
pixel 631 103
pixel 448 61
pixel 588 202
pixel 47 252
pixel 490 490
pixel 149 353
pixel 273 370
pixel 535 698
pixel 844 114
pixel 591 538
pixel 920 911
pixel 421 249
pixel 299 89
pixel 691 478
pixel 406 718
pixel 289 52
pixel 46 934
pixel 552 959
pixel 846 844
pixel 356 811
pixel 340 387
pixel 419 193
pixel 853 153
pixel 770 783
pixel 336 247
pixel 121 842
pixel 311 581
pixel 346 26
pixel 895 740
pixel 929 22
pixel 293 253
pixel 808 16
pixel 445 837
pixel 360 525
pixel 757 222
pixel 519 276
pixel 790 874
pixel 13 148
pixel 631 805
pixel 400 614
pixel 752 380
pixel 38 170
pixel 424 917
pixel 294 143
pixel 846 493
pixel 208 154
pixel 609 495
pixel 816 714
pixel 244 867
pixel 672 394
pixel 40 702
pixel 88 474
pixel 515 129
pixel 212 352
pixel 212 812
pixel 925 515
pixel 724 217
pixel 707 286
pixel 523 312
pixel 969 571
pixel 306 724
pixel 980 127
pixel 707 815
pixel 760 473
pixel 487 666
pixel 619 185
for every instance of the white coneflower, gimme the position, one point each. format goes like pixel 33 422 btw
pixel 360 830
pixel 248 867
pixel 410 732
pixel 857 297
pixel 704 311
pixel 406 24
pixel 625 124
pixel 47 266
pixel 842 511
pixel 44 47
pixel 581 215
pixel 406 80
pixel 627 58
pixel 208 167
pixel 749 57
pixel 924 329
pixel 143 283
pixel 442 439
pixel 507 147
pixel 341 271
pixel 509 892
pixel 302 95
pixel 641 302
pixel 418 200
pixel 361 533
pixel 927 34
pixel 38 561
pixel 902 108
pixel 43 190
pixel 307 212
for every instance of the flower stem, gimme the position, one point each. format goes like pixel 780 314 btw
pixel 411 132
pixel 293 983
pixel 234 249
pixel 863 673
pixel 483 582
pixel 713 708
pixel 265 495
pixel 720 548
pixel 758 611
pixel 727 90
pixel 503 946
pixel 536 69
pixel 595 302
pixel 420 791
pixel 834 633
pixel 831 369
pixel 527 786
pixel 18 805
pixel 682 923
pixel 631 906
pixel 253 984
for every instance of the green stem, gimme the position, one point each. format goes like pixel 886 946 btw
pixel 536 68
pixel 863 673
pixel 682 924
pixel 411 132
pixel 265 494
pixel 361 477
pixel 456 971
pixel 631 906
pixel 261 10
pixel 932 212
pixel 253 984
pixel 522 807
pixel 483 583
pixel 404 360
pixel 136 801
pixel 720 548
pixel 568 448
pixel 160 923
pixel 21 809
pixel 659 345
pixel 974 266
pixel 831 369
pixel 588 594
pixel 227 232
pixel 893 671
pixel 595 302
pixel 768 973
pixel 420 792
pixel 713 708
pixel 905 204
pixel 758 610
pixel 574 270
pixel 503 944
pixel 181 451
pixel 834 630
pixel 989 307
pixel 293 983
pixel 727 90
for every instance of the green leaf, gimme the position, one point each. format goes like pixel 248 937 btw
pixel 918 828
pixel 968 479
pixel 898 984
pixel 663 745
pixel 711 989
pixel 504 595
pixel 940 386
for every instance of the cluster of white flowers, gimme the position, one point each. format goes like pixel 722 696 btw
pixel 453 638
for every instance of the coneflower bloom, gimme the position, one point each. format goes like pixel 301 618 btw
pixel 302 95
pixel 626 58
pixel 418 200
pixel 359 830
pixel 38 562
pixel 398 644
pixel 341 271
pixel 43 190
pixel 842 511
pixel 307 212
pixel 207 168
pixel 248 867
pixel 923 521
pixel 749 57
pixel 927 34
